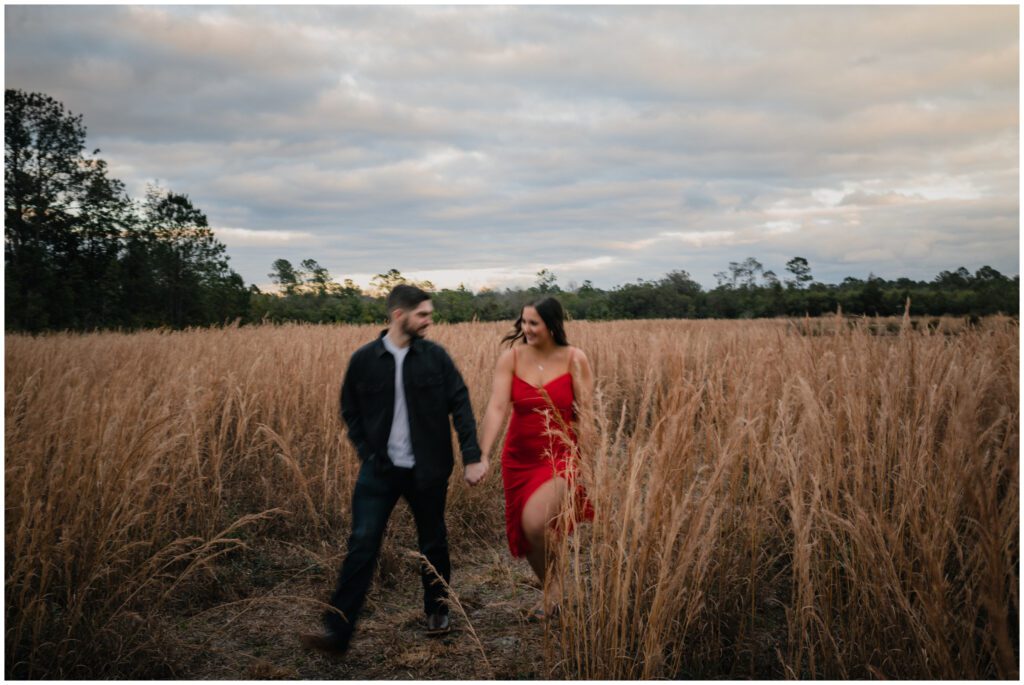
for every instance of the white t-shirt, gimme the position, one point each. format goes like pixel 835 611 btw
pixel 400 439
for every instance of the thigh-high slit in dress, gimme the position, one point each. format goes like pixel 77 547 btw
pixel 538 447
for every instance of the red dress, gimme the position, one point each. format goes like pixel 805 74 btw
pixel 536 449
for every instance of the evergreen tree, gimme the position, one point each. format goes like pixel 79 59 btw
pixel 189 264
pixel 62 219
pixel 79 254
pixel 801 271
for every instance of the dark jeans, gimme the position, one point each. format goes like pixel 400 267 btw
pixel 376 493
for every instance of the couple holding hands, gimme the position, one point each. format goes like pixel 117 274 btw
pixel 398 393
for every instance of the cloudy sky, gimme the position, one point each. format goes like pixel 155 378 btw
pixel 480 144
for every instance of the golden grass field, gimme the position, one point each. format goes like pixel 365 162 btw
pixel 795 499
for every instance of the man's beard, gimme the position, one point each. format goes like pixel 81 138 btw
pixel 413 332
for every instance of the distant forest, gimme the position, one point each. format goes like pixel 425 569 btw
pixel 80 254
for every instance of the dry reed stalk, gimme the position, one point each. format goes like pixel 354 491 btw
pixel 452 600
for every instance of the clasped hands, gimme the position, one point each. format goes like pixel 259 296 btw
pixel 476 473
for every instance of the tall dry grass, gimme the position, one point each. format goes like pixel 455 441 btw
pixel 771 499
pixel 135 462
pixel 772 504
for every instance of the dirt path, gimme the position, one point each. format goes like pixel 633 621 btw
pixel 254 634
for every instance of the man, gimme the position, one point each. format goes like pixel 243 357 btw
pixel 396 398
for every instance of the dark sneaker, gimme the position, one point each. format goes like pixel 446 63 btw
pixel 328 643
pixel 438 624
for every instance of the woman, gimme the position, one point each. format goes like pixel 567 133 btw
pixel 548 384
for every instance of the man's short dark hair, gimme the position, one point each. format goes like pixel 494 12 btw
pixel 406 297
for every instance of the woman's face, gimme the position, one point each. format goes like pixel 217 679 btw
pixel 534 329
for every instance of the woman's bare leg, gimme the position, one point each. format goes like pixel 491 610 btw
pixel 542 507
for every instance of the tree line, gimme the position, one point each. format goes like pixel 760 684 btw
pixel 80 254
pixel 745 290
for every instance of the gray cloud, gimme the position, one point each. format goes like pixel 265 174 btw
pixel 614 142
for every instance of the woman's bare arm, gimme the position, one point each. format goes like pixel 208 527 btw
pixel 498 405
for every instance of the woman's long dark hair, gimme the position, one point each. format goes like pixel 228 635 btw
pixel 551 313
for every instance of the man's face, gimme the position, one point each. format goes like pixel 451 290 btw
pixel 416 321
